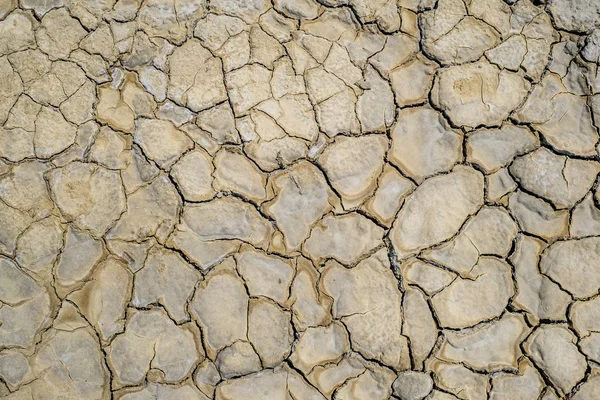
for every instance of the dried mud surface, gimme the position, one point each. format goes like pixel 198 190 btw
pixel 299 199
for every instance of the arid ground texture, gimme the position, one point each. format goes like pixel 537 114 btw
pixel 299 199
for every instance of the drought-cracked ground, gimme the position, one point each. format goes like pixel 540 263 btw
pixel 299 199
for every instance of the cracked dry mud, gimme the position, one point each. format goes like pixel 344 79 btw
pixel 300 199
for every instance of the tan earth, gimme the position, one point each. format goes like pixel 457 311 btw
pixel 299 199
